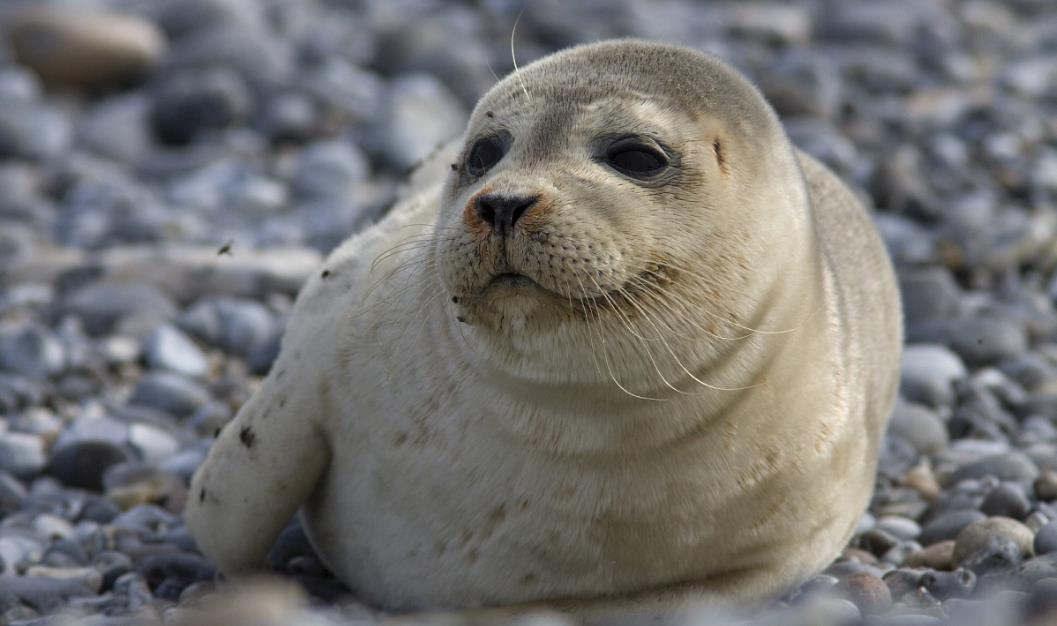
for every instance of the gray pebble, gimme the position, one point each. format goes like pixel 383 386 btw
pixel 948 525
pixel 21 454
pixel 927 373
pixel 170 349
pixel 100 306
pixel 189 103
pixel 1046 539
pixel 1012 466
pixel 1007 500
pixel 12 495
pixel 919 426
pixel 82 463
pixel 169 392
pixel 31 351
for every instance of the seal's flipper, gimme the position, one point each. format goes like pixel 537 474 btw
pixel 262 467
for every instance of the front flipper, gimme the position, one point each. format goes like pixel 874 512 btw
pixel 261 468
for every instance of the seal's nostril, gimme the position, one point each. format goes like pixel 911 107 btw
pixel 485 211
pixel 502 212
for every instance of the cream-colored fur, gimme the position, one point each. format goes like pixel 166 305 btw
pixel 686 404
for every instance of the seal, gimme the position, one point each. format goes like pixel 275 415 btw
pixel 622 340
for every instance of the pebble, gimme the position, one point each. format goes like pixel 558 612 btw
pixel 39 593
pixel 85 49
pixel 187 104
pixel 83 462
pixel 928 371
pixel 1046 539
pixel 156 227
pixel 419 115
pixel 948 525
pixel 100 306
pixel 1007 500
pixel 988 540
pixel 919 426
pixel 172 393
pixel 21 455
pixel 33 132
pixel 85 576
pixel 12 494
pixel 938 556
pixel 1011 466
pixel 867 591
pixel 168 348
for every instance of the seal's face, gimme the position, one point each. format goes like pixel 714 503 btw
pixel 557 209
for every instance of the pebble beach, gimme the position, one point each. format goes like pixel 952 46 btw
pixel 172 171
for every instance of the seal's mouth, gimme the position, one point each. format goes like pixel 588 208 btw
pixel 512 279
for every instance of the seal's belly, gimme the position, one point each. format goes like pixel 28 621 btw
pixel 432 524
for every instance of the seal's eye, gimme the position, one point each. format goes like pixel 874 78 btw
pixel 636 159
pixel 485 153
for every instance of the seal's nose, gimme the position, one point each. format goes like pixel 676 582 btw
pixel 502 212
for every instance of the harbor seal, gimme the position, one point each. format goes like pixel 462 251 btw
pixel 622 339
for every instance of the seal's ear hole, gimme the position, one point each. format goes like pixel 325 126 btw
pixel 721 156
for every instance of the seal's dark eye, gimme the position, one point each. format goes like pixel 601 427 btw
pixel 485 154
pixel 635 159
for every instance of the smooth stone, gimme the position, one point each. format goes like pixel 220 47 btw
pixel 1011 466
pixel 33 352
pixel 101 305
pixel 39 593
pixel 187 104
pixel 919 426
pixel 185 568
pixel 948 526
pixel 984 340
pixel 116 128
pixel 82 463
pixel 329 169
pixel 899 527
pixel 923 481
pixel 942 585
pixel 928 372
pixel 168 348
pixel 234 325
pixel 12 495
pixel 419 114
pixel 1046 539
pixel 169 392
pixel 979 536
pixel 867 591
pixel 1046 485
pixel 35 132
pixel 290 117
pixel 256 54
pixel 1007 500
pixel 112 565
pixel 21 454
pixel 153 443
pixel 85 49
pixel 939 556
pixel 93 428
pixel 929 293
pixel 86 576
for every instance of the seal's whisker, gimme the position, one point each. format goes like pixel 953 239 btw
pixel 685 311
pixel 728 321
pixel 513 57
pixel 683 367
pixel 602 340
pixel 649 353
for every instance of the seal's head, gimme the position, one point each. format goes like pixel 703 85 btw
pixel 618 186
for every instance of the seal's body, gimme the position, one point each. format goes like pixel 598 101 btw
pixel 630 342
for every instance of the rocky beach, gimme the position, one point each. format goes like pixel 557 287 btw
pixel 171 172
